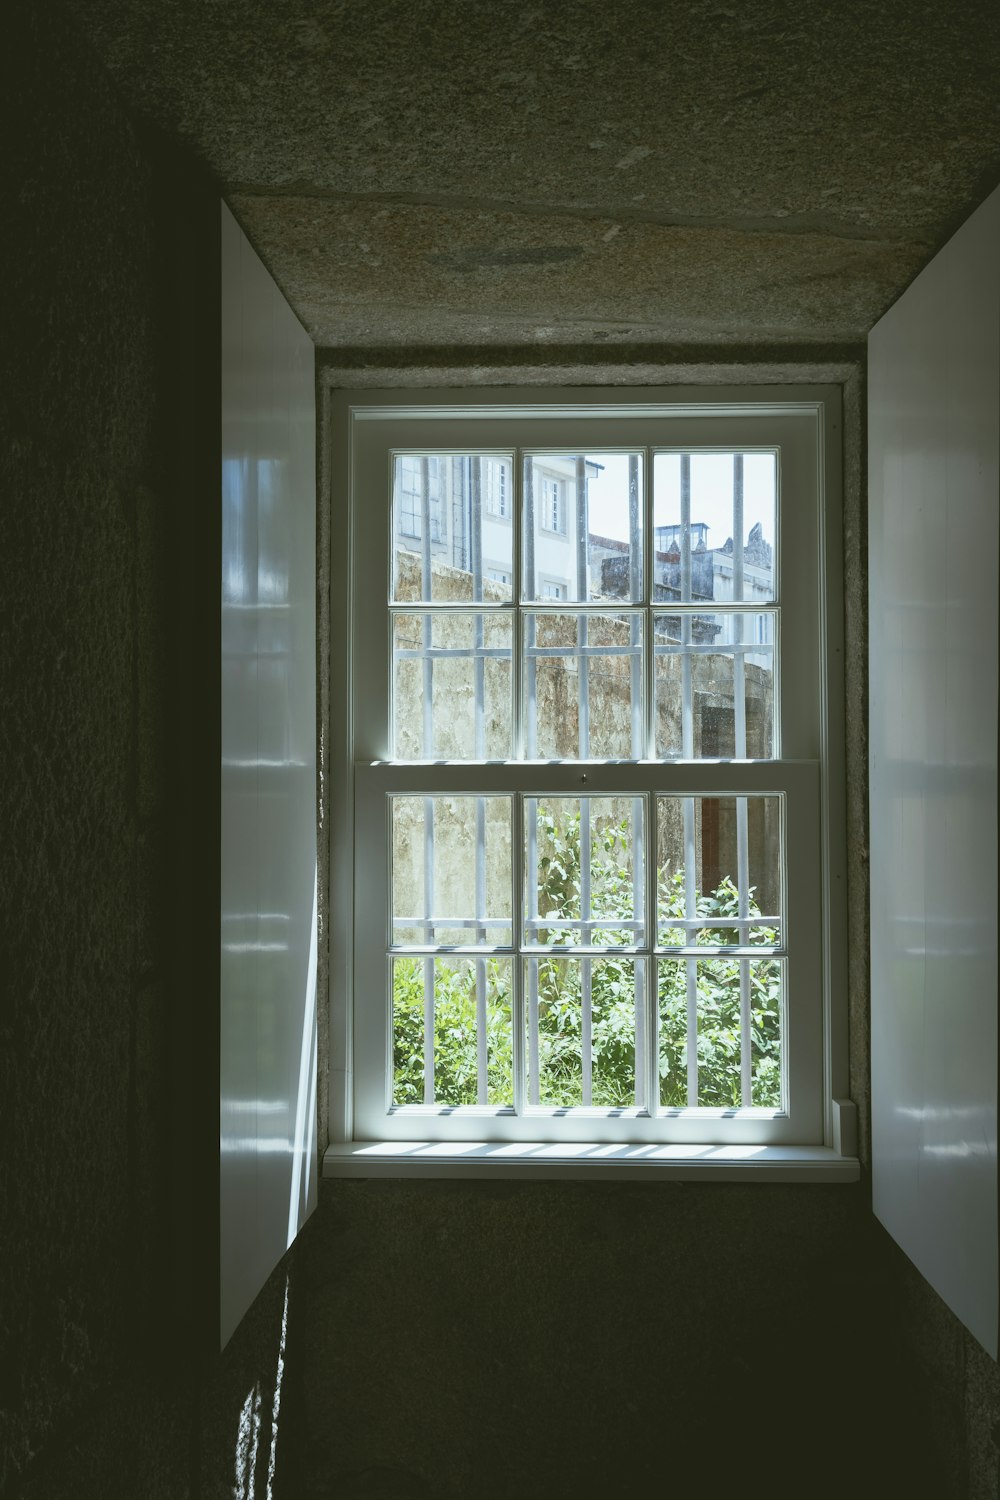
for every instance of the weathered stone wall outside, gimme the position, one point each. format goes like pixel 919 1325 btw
pixel 557 710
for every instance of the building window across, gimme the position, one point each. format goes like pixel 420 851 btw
pixel 497 488
pixel 594 827
pixel 552 504
pixel 418 481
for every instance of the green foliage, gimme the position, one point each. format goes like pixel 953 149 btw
pixel 613 996
pixel 455 1049
pixel 717 985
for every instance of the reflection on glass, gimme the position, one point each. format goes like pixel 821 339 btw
pixel 451 870
pixel 583 526
pixel 452 1035
pixel 255 541
pixel 238 533
pixel 581 1016
pixel 582 685
pixel 452 686
pixel 452 527
pixel 274 522
pixel 714 527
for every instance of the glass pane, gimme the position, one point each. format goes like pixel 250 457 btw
pixel 721 991
pixel 714 526
pixel 583 526
pixel 581 1027
pixel 582 685
pixel 730 847
pixel 452 686
pixel 707 666
pixel 452 1035
pixel 451 527
pixel 451 870
pixel 583 871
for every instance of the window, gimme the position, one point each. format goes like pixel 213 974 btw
pixel 552 504
pixel 418 483
pixel 594 815
pixel 497 488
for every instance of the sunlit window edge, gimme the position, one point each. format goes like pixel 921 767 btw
pixel 585 1160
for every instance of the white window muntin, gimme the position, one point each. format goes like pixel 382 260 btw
pixel 797 433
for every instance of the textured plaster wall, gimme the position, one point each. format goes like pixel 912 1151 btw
pixel 94 1398
pixel 585 1339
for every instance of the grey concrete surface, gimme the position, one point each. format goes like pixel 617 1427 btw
pixel 572 365
pixel 464 172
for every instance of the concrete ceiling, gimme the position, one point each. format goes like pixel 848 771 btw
pixel 496 174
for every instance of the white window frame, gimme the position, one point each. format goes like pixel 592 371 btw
pixel 816 1130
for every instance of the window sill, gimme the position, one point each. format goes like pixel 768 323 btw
pixel 681 1163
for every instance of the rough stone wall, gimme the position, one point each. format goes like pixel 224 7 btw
pixel 91 1403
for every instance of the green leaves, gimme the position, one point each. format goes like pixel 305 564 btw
pixel 455 1034
pixel 612 997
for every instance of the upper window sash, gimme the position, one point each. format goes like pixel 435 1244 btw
pixel 798 715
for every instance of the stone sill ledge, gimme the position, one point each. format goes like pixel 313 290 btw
pixel 583 1160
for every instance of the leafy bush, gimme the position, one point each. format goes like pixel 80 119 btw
pixel 455 1036
pixel 613 997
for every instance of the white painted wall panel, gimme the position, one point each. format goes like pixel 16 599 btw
pixel 268 959
pixel 934 493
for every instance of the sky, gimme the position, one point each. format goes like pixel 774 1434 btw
pixel 711 493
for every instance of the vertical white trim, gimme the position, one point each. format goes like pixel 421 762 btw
pixel 707 431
